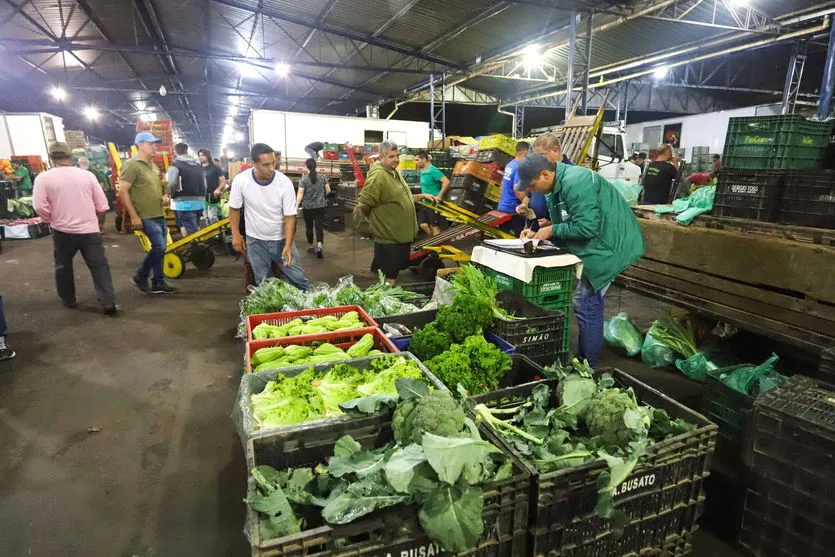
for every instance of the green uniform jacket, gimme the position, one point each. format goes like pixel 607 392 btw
pixel 392 216
pixel 593 221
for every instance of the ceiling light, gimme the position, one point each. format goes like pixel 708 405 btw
pixel 282 69
pixel 660 72
pixel 532 57
pixel 58 93
pixel 91 112
pixel 162 91
pixel 248 70
pixel 239 137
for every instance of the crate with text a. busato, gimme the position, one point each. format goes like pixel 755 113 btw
pixel 663 497
pixel 393 531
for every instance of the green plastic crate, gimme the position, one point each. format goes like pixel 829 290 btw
pixel 775 142
pixel 549 285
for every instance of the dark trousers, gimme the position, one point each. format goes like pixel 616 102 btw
pixel 2 319
pixel 92 250
pixel 314 217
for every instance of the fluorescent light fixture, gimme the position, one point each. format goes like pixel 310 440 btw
pixel 239 137
pixel 58 93
pixel 282 69
pixel 162 91
pixel 91 112
pixel 660 72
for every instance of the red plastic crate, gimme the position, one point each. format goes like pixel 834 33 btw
pixel 340 339
pixel 283 317
pixel 330 155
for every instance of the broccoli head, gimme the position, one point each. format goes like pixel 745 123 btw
pixel 614 416
pixel 437 413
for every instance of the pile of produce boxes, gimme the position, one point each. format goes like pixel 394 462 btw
pixel 457 446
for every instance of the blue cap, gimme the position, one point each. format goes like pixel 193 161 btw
pixel 529 168
pixel 147 137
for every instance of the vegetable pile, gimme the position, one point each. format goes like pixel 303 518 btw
pixel 312 396
pixel 299 326
pixel 380 299
pixel 583 420
pixel 438 461
pixel 294 355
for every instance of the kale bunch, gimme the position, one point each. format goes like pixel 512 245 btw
pixel 476 365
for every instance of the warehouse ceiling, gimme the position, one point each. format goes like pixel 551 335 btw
pixel 216 59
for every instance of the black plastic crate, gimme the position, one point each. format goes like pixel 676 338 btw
pixel 455 194
pixel 732 412
pixel 411 321
pixel 750 194
pixel 540 335
pixel 809 199
pixel 790 500
pixel 826 370
pixel 472 202
pixel 563 521
pixel 493 155
pixel 395 530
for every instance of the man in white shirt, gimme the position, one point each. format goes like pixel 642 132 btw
pixel 268 201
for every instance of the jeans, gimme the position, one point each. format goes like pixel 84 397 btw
pixel 157 232
pixel 91 247
pixel 2 319
pixel 588 307
pixel 212 214
pixel 190 220
pixel 313 154
pixel 314 217
pixel 263 253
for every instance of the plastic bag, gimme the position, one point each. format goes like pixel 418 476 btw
pixel 346 293
pixel 622 333
pixel 696 366
pixel 654 353
pixel 630 191
pixel 750 379
pixel 688 208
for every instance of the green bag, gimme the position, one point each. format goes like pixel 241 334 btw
pixel 656 354
pixel 696 367
pixel 622 334
pixel 750 379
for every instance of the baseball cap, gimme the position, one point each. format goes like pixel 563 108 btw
pixel 59 149
pixel 529 168
pixel 146 137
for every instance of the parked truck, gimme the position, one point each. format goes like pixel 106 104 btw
pixel 29 134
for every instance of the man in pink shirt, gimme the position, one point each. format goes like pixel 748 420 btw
pixel 68 198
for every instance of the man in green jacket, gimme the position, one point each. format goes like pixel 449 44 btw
pixel 388 204
pixel 592 221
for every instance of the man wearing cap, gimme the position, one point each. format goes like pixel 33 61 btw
pixel 68 198
pixel 142 194
pixel 592 221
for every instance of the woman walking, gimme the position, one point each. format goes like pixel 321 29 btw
pixel 313 187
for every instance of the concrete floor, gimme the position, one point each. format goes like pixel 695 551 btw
pixel 115 433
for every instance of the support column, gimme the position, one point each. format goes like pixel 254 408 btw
pixel 794 75
pixel 569 72
pixel 587 62
pixel 432 109
pixel 519 121
pixel 828 84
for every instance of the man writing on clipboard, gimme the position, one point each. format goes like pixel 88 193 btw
pixel 591 220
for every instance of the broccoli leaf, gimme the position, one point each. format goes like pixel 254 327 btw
pixel 411 388
pixel 451 517
pixel 401 468
pixel 350 506
pixel 346 446
pixel 374 404
pixel 281 520
pixel 451 457
pixel 362 463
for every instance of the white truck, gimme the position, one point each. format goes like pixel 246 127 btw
pixel 698 130
pixel 29 133
pixel 291 132
pixel 612 157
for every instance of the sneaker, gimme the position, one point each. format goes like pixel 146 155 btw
pixel 140 285
pixel 69 304
pixel 319 253
pixel 162 288
pixel 311 250
pixel 112 311
pixel 6 353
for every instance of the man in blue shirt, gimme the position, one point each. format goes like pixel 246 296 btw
pixel 509 198
pixel 546 144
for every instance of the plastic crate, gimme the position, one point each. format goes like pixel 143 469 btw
pixel 394 530
pixel 789 505
pixel 826 370
pixel 541 335
pixel 498 141
pixel 749 194
pixel 493 155
pixel 402 343
pixel 330 155
pixel 411 321
pixel 809 199
pixel 731 411
pixel 775 142
pixel 281 318
pixel 253 383
pixel 563 521
pixel 548 285
pixel 473 168
pixel 340 339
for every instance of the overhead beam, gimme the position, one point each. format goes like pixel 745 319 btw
pixel 340 32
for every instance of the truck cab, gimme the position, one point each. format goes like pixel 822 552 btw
pixel 612 160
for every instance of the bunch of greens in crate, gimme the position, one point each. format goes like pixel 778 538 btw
pixel 583 420
pixel 437 461
pixel 471 284
pixel 311 395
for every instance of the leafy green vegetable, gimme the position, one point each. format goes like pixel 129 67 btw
pixel 427 342
pixel 467 316
pixel 438 413
pixel 451 516
pixel 451 457
pixel 679 337
pixel 475 364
